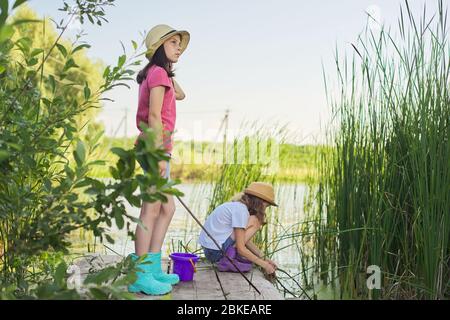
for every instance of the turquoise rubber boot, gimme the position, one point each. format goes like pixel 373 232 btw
pixel 156 270
pixel 145 282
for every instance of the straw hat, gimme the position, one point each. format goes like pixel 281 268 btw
pixel 263 191
pixel 160 33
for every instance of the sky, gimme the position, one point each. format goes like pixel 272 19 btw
pixel 263 60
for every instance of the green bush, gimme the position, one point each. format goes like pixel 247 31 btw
pixel 46 192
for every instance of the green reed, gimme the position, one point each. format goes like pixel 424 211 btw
pixel 387 177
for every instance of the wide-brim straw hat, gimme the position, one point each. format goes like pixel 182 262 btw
pixel 160 33
pixel 263 191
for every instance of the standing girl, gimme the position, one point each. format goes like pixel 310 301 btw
pixel 157 94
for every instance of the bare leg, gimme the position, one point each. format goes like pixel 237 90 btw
pixel 161 225
pixel 149 215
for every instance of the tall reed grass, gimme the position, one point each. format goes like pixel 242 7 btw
pixel 384 192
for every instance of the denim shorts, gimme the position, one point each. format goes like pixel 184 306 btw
pixel 215 255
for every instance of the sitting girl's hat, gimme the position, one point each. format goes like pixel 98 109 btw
pixel 160 33
pixel 263 191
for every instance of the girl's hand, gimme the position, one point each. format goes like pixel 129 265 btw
pixel 272 263
pixel 179 94
pixel 162 167
pixel 268 267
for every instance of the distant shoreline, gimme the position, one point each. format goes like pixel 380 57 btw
pixel 296 163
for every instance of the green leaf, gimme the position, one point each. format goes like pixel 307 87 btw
pixel 80 153
pixel 122 60
pixel 29 161
pixel 37 51
pixel 107 71
pixel 101 276
pixel 31 73
pixel 2 69
pixel 25 21
pixel 97 137
pixel 87 92
pixel 129 278
pixel 82 183
pixel 108 237
pixel 114 173
pixel 6 32
pixel 121 84
pixel 97 185
pixel 3 155
pixel 138 222
pixel 98 294
pixel 134 201
pixel 32 62
pixel 47 102
pixel 120 152
pixel 47 185
pixel 97 163
pixel 70 64
pixel 130 188
pixel 62 49
pixel 60 274
pixel 135 45
pixel 18 3
pixel 45 290
pixel 4 4
pixel 15 146
pixel 119 218
pixel 52 82
pixel 80 47
pixel 90 18
pixel 24 44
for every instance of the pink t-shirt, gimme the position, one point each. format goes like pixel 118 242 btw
pixel 157 76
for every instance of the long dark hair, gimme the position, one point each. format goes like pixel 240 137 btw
pixel 254 205
pixel 160 59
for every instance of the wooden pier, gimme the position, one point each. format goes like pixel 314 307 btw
pixel 208 283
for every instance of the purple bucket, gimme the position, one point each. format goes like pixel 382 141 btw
pixel 184 265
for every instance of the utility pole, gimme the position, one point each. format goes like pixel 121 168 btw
pixel 225 121
pixel 126 118
pixel 223 124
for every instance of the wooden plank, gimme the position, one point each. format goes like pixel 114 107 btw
pixel 207 284
pixel 268 290
pixel 237 288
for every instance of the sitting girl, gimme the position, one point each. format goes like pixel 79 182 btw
pixel 235 223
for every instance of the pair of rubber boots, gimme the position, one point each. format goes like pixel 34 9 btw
pixel 243 264
pixel 151 279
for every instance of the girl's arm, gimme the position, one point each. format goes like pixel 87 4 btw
pixel 246 253
pixel 154 114
pixel 179 94
pixel 253 248
pixel 154 119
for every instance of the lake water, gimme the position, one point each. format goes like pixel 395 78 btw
pixel 197 197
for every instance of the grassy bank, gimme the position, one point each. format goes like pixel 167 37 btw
pixel 192 162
